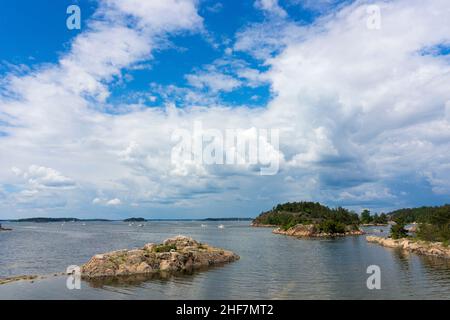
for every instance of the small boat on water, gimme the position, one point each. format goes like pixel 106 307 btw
pixel 221 226
pixel 140 225
pixel 204 225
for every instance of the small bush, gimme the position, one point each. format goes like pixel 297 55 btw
pixel 431 232
pixel 289 225
pixel 398 231
pixel 332 227
pixel 164 248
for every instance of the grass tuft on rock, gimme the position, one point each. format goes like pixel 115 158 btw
pixel 165 248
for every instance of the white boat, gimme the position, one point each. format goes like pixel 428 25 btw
pixel 140 225
pixel 204 225
pixel 221 226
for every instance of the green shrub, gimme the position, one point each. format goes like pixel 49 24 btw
pixel 289 225
pixel 433 215
pixel 165 248
pixel 398 231
pixel 380 219
pixel 330 226
pixel 434 232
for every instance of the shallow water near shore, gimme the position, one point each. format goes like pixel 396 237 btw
pixel 271 266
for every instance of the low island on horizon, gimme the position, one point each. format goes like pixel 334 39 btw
pixel 132 219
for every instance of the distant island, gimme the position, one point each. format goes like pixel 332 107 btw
pixel 49 220
pixel 227 219
pixel 45 220
pixel 309 219
pixel 134 220
pixel 206 219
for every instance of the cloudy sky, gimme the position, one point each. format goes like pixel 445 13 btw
pixel 87 116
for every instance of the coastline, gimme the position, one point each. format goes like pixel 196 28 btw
pixel 30 278
pixel 306 231
pixel 437 249
pixel 309 231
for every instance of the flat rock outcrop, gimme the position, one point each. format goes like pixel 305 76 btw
pixel 18 278
pixel 4 229
pixel 310 231
pixel 421 247
pixel 177 254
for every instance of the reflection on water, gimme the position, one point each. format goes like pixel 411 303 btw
pixel 126 281
pixel 139 279
pixel 271 266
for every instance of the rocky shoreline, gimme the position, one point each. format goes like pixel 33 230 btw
pixel 18 278
pixel 29 278
pixel 436 249
pixel 179 254
pixel 310 231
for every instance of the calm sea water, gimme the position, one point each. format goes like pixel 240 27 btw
pixel 271 266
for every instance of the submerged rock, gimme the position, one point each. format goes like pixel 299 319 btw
pixel 18 278
pixel 177 254
pixel 4 229
pixel 310 231
pixel 428 248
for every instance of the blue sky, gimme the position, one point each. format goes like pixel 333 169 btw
pixel 87 116
pixel 40 37
pixel 31 32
